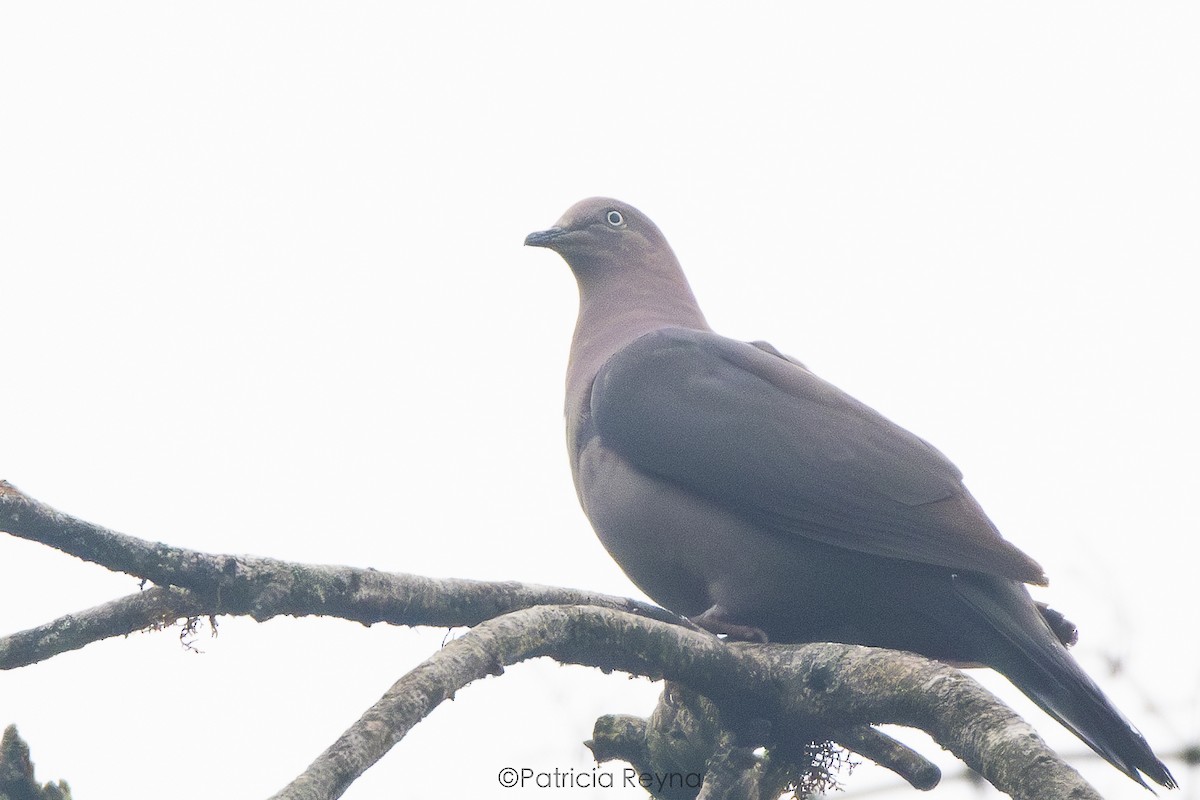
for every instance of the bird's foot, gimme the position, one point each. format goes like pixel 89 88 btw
pixel 715 621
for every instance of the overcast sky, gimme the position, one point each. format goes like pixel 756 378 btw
pixel 262 291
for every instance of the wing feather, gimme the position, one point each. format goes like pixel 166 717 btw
pixel 743 425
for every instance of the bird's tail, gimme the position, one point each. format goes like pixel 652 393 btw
pixel 1040 666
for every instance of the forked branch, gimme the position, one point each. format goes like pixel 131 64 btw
pixel 773 695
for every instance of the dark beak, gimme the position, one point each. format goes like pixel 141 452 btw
pixel 543 238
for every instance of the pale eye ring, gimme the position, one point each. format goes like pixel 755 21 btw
pixel 615 218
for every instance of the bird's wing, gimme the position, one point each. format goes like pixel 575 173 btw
pixel 741 426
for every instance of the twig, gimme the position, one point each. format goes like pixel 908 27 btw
pixel 157 607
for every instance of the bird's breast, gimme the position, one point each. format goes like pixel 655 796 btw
pixel 684 551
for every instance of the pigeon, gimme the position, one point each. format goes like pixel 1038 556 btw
pixel 737 488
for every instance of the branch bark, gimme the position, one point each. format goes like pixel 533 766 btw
pixel 193 583
pixel 793 688
pixel 17 780
pixel 782 697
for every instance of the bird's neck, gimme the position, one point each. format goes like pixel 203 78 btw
pixel 616 306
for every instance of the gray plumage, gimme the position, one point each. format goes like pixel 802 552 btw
pixel 736 487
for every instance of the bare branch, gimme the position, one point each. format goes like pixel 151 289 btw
pixel 920 772
pixel 261 588
pixel 16 772
pixel 793 688
pixel 620 737
pixel 157 607
pixel 766 694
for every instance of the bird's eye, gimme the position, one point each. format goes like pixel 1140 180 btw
pixel 615 219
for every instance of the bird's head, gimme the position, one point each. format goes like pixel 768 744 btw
pixel 602 232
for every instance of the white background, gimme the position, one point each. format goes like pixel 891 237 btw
pixel 262 291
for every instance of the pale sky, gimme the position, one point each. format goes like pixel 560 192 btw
pixel 262 290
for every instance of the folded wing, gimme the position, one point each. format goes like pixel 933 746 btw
pixel 744 426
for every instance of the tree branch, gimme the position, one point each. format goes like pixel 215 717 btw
pixel 780 696
pixel 155 608
pixel 261 588
pixel 17 780
pixel 920 772
pixel 793 688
